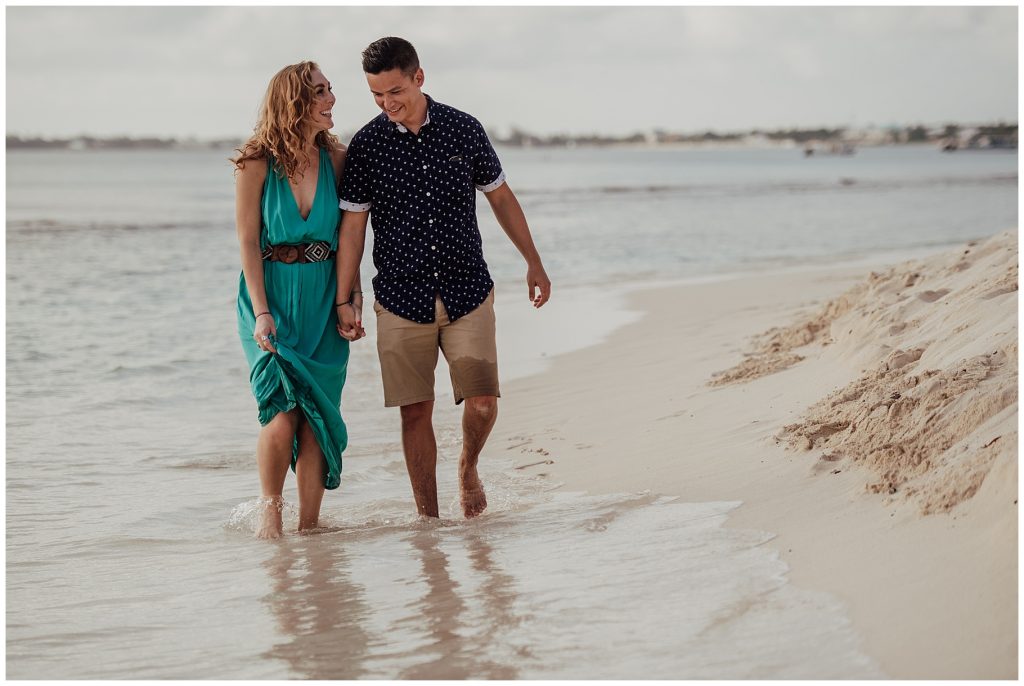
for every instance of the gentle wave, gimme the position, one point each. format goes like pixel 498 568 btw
pixel 59 226
pixel 847 182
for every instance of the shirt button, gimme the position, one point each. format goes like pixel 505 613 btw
pixel 424 166
pixel 428 192
pixel 433 247
pixel 430 221
pixel 435 273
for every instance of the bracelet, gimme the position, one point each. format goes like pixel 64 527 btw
pixel 262 313
pixel 347 302
pixel 354 292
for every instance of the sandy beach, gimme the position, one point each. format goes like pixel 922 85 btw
pixel 865 417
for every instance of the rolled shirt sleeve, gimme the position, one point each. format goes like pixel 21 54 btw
pixel 355 192
pixel 487 171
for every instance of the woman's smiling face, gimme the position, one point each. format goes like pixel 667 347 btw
pixel 320 116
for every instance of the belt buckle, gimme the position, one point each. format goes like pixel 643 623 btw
pixel 289 254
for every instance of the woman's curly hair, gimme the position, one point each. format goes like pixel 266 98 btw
pixel 280 128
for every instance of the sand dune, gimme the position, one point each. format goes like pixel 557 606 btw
pixel 937 405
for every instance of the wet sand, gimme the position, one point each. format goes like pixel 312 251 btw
pixel 867 417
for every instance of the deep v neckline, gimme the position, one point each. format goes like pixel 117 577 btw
pixel 316 190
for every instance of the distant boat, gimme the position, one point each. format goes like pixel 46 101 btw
pixel 836 148
pixel 979 142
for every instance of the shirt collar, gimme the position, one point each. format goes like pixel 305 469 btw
pixel 426 119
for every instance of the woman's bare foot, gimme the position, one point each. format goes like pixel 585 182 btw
pixel 471 493
pixel 270 520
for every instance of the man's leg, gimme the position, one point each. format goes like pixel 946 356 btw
pixel 420 449
pixel 408 355
pixel 477 421
pixel 470 347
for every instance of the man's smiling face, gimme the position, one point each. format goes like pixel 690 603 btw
pixel 398 94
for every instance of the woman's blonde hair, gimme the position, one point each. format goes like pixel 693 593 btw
pixel 280 129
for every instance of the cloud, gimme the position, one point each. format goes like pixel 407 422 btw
pixel 202 70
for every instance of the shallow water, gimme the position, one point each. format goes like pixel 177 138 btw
pixel 131 431
pixel 546 584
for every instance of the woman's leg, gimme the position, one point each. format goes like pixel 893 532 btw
pixel 310 474
pixel 273 457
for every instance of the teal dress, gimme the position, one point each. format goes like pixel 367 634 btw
pixel 308 371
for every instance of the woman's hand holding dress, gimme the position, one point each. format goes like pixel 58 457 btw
pixel 265 332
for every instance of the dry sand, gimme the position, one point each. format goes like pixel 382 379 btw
pixel 869 420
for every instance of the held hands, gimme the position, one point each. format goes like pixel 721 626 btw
pixel 350 319
pixel 265 332
pixel 539 283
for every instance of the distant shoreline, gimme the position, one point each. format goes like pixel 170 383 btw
pixel 814 141
pixel 667 147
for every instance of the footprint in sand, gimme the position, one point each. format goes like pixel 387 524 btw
pixel 827 463
pixel 535 464
pixel 1000 291
pixel 901 358
pixel 518 442
pixel 932 296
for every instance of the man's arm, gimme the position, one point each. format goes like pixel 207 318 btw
pixel 351 241
pixel 510 215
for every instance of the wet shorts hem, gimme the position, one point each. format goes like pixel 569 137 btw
pixel 489 391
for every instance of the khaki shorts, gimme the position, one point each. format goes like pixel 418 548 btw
pixel 408 354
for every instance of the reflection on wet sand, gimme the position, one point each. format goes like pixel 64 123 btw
pixel 319 609
pixel 463 628
pixel 453 629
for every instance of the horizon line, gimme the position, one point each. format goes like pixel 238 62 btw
pixel 517 130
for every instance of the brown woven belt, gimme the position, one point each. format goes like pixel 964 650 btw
pixel 300 252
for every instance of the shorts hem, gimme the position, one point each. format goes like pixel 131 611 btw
pixel 408 401
pixel 476 393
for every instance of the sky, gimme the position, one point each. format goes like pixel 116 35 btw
pixel 202 71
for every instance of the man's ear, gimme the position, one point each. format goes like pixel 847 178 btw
pixel 418 78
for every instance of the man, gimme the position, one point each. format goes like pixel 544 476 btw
pixel 413 170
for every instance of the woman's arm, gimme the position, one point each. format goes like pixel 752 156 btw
pixel 354 292
pixel 248 221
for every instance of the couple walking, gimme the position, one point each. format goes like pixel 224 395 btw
pixel 302 205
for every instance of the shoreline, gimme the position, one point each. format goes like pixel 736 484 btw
pixel 931 596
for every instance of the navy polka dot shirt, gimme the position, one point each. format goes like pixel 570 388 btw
pixel 419 190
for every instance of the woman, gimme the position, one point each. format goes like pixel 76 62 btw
pixel 287 218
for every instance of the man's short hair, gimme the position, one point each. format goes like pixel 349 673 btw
pixel 385 54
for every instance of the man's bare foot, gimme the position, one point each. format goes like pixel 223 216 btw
pixel 471 493
pixel 271 526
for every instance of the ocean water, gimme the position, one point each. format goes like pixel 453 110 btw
pixel 131 433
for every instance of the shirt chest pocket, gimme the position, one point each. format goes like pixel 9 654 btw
pixel 457 175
